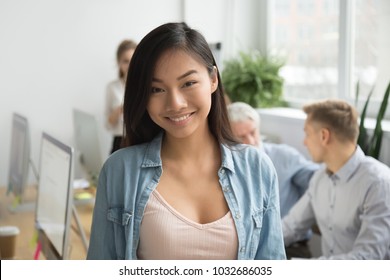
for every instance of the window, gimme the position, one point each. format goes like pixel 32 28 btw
pixel 311 49
pixel 371 45
pixel 331 45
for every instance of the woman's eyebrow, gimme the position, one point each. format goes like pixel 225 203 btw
pixel 188 73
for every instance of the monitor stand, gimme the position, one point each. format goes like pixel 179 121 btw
pixel 80 229
pixel 80 232
pixel 17 207
pixel 19 204
pixel 23 204
pixel 81 197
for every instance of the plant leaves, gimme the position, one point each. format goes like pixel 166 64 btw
pixel 363 135
pixel 376 140
pixel 254 78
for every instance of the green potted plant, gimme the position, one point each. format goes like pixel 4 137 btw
pixel 254 79
pixel 371 144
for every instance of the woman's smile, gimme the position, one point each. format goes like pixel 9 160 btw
pixel 180 120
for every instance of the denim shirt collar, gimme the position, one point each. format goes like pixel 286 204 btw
pixel 227 158
pixel 152 156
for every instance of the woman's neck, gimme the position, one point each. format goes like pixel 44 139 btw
pixel 194 148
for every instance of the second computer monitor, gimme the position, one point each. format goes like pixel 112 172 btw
pixel 87 144
pixel 19 156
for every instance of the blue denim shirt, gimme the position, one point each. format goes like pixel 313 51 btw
pixel 247 178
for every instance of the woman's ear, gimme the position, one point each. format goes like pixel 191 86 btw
pixel 214 79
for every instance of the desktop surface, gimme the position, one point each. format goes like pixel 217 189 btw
pixel 25 221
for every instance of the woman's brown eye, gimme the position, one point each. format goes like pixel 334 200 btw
pixel 156 90
pixel 188 84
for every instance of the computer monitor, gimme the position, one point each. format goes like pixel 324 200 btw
pixel 55 198
pixel 19 159
pixel 87 144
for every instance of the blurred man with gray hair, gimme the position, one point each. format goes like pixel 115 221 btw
pixel 293 169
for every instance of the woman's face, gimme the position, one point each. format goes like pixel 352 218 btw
pixel 180 100
pixel 124 61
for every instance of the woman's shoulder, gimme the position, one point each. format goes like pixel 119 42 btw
pixel 252 167
pixel 248 152
pixel 247 158
pixel 126 156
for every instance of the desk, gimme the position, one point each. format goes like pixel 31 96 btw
pixel 25 221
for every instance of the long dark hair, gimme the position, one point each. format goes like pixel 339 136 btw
pixel 139 128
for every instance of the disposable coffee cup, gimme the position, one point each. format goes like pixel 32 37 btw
pixel 8 235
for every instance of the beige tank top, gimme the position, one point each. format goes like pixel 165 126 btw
pixel 165 234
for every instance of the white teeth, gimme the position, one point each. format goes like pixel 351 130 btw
pixel 180 118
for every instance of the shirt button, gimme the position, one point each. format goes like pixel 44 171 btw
pixel 242 249
pixel 223 171
pixel 238 216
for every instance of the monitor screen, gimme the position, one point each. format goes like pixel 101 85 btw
pixel 19 156
pixel 54 199
pixel 87 143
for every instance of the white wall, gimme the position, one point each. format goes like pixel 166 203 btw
pixel 56 55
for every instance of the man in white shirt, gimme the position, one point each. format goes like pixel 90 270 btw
pixel 293 169
pixel 349 198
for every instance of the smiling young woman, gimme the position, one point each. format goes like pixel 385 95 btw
pixel 183 188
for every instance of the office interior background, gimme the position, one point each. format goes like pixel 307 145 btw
pixel 60 55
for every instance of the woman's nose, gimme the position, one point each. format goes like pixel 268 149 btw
pixel 176 100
